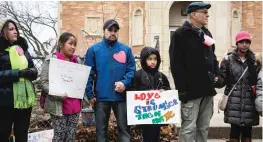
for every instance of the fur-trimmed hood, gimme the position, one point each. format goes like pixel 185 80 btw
pixel 4 43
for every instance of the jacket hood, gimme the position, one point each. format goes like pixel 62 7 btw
pixel 145 53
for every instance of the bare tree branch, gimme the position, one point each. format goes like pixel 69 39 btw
pixel 26 20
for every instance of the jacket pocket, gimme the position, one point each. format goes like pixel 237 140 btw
pixel 187 110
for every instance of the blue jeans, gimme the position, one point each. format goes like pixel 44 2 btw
pixel 102 114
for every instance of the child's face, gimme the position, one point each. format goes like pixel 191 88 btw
pixel 69 46
pixel 152 61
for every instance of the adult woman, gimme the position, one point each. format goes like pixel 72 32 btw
pixel 16 90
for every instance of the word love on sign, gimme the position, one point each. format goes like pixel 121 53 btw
pixel 153 107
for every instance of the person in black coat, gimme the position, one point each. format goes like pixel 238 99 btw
pixel 149 78
pixel 20 117
pixel 195 70
pixel 240 110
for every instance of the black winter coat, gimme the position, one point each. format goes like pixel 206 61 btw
pixel 193 64
pixel 7 75
pixel 148 81
pixel 240 109
pixel 150 78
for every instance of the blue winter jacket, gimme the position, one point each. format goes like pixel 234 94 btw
pixel 104 63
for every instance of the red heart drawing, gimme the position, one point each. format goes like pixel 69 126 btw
pixel 120 57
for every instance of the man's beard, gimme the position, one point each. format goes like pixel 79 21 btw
pixel 111 42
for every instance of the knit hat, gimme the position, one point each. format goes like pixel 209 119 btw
pixel 243 35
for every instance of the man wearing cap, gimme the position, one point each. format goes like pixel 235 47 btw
pixel 195 71
pixel 114 66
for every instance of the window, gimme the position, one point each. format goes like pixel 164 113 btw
pixel 137 28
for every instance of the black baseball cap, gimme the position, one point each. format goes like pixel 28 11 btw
pixel 108 24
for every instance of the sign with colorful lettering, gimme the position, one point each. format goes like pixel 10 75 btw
pixel 153 107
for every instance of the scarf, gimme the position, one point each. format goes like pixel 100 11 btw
pixel 23 91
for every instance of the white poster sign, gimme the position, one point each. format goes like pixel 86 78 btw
pixel 67 77
pixel 42 136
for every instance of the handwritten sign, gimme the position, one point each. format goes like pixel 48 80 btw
pixel 42 136
pixel 153 107
pixel 67 77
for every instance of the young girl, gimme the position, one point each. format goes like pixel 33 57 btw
pixel 240 111
pixel 149 78
pixel 64 111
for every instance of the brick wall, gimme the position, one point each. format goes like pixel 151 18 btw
pixel 252 22
pixel 73 18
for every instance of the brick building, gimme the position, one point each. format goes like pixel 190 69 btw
pixel 141 23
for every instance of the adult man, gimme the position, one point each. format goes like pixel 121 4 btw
pixel 113 64
pixel 195 69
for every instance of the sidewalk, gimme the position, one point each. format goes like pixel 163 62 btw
pixel 218 129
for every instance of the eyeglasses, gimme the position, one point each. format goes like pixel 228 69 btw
pixel 202 11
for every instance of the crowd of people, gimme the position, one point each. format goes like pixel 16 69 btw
pixel 194 67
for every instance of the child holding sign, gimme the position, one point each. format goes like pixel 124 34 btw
pixel 64 110
pixel 149 78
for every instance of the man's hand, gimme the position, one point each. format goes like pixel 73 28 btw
pixel 93 101
pixel 215 79
pixel 119 87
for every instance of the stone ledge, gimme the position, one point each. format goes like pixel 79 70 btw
pixel 223 132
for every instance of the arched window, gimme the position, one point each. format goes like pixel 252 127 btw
pixel 137 28
pixel 235 25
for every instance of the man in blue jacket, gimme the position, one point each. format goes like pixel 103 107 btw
pixel 113 65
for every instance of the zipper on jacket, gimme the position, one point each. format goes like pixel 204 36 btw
pixel 242 103
pixel 111 74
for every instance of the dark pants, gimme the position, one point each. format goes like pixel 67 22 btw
pixel 21 120
pixel 237 131
pixel 102 114
pixel 150 133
